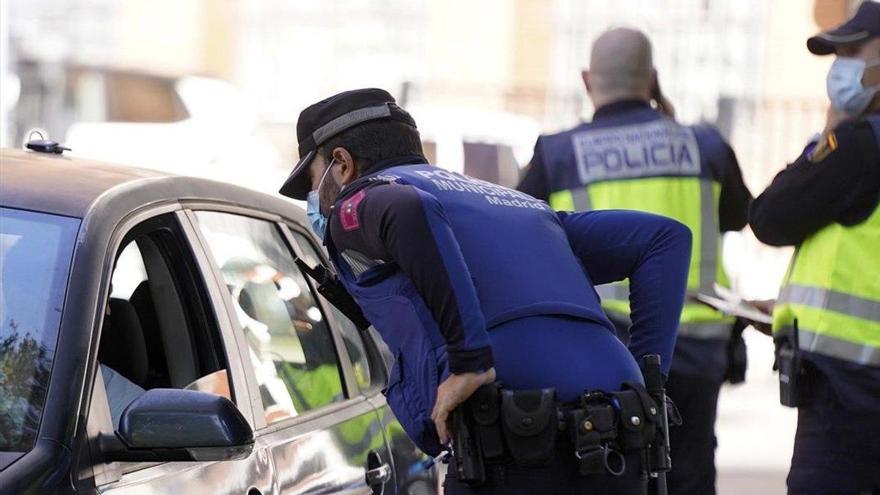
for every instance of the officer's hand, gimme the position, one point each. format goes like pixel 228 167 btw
pixel 452 392
pixel 665 106
pixel 834 118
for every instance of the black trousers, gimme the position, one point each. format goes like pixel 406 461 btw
pixel 693 443
pixel 560 477
pixel 836 450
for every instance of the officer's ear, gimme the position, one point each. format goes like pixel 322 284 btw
pixel 656 92
pixel 585 75
pixel 348 171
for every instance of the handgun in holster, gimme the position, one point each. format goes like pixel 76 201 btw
pixel 332 289
pixel 793 377
pixel 466 449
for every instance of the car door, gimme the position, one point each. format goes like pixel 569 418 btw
pixel 166 326
pixel 371 359
pixel 322 434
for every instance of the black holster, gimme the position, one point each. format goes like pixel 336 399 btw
pixel 466 450
pixel 485 409
pixel 737 357
pixel 496 425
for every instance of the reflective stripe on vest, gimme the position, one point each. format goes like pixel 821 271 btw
pixel 840 302
pixel 832 290
pixel 812 341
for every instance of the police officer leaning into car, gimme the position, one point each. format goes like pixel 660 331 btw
pixel 826 204
pixel 467 281
pixel 636 157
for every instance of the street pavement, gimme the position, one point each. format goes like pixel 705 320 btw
pixel 755 433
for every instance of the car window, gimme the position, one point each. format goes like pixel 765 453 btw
pixel 158 330
pixel 290 345
pixel 366 361
pixel 35 254
pixel 129 272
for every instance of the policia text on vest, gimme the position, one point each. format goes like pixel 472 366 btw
pixel 633 157
pixel 660 147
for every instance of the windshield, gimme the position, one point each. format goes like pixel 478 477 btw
pixel 35 251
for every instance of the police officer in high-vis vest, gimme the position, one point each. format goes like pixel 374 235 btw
pixel 633 156
pixel 826 321
pixel 467 281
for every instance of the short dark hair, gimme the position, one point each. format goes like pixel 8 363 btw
pixel 375 141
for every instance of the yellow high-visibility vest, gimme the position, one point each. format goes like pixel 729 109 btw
pixel 832 288
pixel 691 197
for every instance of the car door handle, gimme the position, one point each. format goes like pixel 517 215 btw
pixel 379 475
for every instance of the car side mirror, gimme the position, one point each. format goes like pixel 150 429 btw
pixel 180 425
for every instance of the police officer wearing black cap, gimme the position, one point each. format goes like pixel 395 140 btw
pixel 467 281
pixel 826 321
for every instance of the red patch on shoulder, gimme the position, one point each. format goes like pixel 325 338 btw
pixel 348 214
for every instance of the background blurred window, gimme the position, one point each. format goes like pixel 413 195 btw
pixel 491 162
pixel 98 95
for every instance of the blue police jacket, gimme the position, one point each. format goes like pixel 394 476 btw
pixel 437 260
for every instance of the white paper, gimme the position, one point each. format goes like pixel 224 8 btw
pixel 729 303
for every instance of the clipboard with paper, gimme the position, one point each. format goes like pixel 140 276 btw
pixel 730 303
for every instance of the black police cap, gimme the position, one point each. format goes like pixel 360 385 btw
pixel 327 118
pixel 862 27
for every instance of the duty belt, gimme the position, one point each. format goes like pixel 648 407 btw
pixel 496 425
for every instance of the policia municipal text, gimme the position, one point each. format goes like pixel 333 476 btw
pixel 468 282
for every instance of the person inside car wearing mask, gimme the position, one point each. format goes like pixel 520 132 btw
pixel 826 204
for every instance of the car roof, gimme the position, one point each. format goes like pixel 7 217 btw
pixel 59 184
pixel 74 187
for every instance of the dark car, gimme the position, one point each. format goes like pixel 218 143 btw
pixel 157 336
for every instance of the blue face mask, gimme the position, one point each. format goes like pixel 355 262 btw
pixel 313 211
pixel 313 207
pixel 845 86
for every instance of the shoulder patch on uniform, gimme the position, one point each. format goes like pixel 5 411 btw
pixel 826 145
pixel 348 215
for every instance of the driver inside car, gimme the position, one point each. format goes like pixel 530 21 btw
pixel 120 390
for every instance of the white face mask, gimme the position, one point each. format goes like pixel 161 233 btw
pixel 845 85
